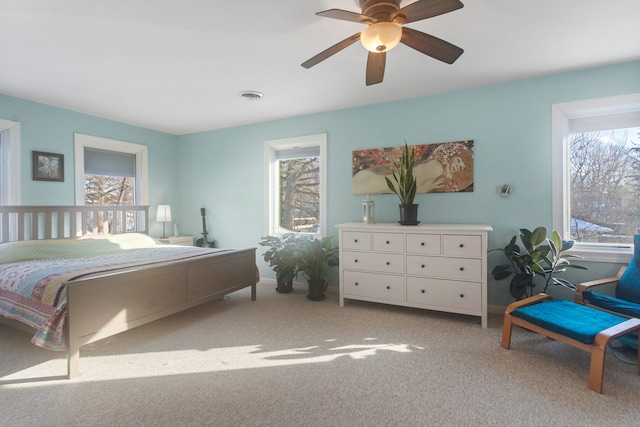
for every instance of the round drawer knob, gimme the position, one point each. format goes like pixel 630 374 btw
pixel 421 243
pixel 461 295
pixel 388 287
pixel 387 242
pixel 388 263
pixel 461 268
pixel 355 241
pixel 355 260
pixel 462 245
pixel 423 291
pixel 356 283
pixel 423 266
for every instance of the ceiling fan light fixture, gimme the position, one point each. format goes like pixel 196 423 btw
pixel 381 36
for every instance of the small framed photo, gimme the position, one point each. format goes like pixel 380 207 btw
pixel 48 166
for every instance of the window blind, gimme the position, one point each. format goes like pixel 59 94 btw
pixel 109 163
pixel 605 122
pixel 298 153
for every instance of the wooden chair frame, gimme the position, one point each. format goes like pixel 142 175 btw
pixel 597 349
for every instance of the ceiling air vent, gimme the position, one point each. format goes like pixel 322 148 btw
pixel 251 95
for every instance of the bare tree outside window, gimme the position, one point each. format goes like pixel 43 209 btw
pixel 103 190
pixel 300 194
pixel 604 192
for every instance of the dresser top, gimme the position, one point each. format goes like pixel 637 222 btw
pixel 391 226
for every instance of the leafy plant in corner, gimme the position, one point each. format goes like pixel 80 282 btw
pixel 313 258
pixel 404 183
pixel 542 256
pixel 280 257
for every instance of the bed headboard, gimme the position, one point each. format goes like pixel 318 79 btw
pixel 18 223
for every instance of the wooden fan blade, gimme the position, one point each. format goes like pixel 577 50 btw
pixel 345 15
pixel 430 45
pixel 423 9
pixel 331 51
pixel 375 67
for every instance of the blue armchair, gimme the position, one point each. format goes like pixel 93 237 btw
pixel 626 301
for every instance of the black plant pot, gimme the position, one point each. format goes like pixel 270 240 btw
pixel 520 284
pixel 285 287
pixel 409 214
pixel 316 290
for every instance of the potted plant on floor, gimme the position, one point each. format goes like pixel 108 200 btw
pixel 280 257
pixel 543 256
pixel 404 185
pixel 314 257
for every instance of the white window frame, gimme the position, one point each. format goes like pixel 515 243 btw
pixel 561 114
pixel 10 168
pixel 272 226
pixel 142 163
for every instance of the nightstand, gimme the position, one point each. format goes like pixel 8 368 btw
pixel 178 240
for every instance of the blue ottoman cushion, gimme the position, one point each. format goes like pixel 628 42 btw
pixel 568 319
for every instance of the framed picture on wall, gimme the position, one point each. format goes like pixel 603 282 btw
pixel 48 166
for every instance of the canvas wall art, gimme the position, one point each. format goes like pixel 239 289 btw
pixel 443 167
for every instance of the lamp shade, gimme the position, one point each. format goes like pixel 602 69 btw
pixel 381 36
pixel 164 213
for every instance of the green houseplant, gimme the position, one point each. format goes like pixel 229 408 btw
pixel 542 256
pixel 280 257
pixel 404 185
pixel 313 258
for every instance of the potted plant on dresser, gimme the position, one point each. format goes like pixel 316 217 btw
pixel 313 258
pixel 404 186
pixel 280 257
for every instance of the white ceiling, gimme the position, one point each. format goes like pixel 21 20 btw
pixel 179 66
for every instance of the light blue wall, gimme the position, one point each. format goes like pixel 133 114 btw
pixel 223 170
pixel 46 128
pixel 510 124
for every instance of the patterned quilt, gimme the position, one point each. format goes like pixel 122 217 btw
pixel 33 276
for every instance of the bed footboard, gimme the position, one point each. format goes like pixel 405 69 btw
pixel 105 305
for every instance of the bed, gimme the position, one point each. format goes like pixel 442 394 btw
pixel 94 272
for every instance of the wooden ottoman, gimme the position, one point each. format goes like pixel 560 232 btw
pixel 580 326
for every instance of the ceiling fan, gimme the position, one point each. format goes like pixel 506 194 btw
pixel 385 20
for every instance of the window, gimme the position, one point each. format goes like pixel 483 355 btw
pixel 109 177
pixel 122 167
pixel 110 172
pixel 296 185
pixel 596 175
pixel 9 162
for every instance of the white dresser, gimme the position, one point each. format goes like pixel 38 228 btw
pixel 432 266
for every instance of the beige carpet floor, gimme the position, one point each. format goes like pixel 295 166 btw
pixel 286 361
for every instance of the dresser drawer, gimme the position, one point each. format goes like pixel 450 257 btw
pixel 388 242
pixel 461 245
pixel 371 285
pixel 453 268
pixel 371 261
pixel 357 240
pixel 444 293
pixel 426 244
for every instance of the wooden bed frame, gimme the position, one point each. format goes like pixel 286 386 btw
pixel 106 304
